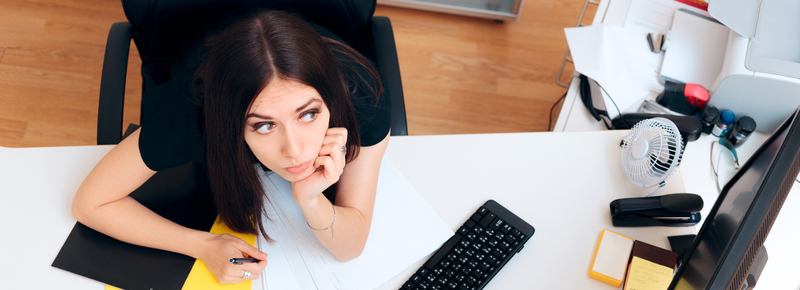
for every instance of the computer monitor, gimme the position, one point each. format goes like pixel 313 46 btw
pixel 734 231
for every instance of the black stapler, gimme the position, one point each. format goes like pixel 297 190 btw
pixel 680 209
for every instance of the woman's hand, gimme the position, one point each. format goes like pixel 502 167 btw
pixel 329 166
pixel 219 249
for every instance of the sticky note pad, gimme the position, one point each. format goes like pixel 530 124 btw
pixel 611 258
pixel 646 275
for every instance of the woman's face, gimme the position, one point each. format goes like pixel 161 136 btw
pixel 285 128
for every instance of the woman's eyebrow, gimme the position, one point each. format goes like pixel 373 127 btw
pixel 303 107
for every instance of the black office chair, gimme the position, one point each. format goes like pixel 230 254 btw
pixel 160 28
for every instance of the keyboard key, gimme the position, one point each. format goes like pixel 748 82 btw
pixel 482 210
pixel 463 230
pixel 470 236
pixel 437 271
pixel 475 217
pixel 505 228
pixel 424 284
pixel 486 220
pixel 489 232
pixel 451 256
pixel 452 284
pixel 484 266
pixel 497 253
pixel 444 264
pixel 440 254
pixel 477 229
pixel 408 286
pixel 470 280
pixel 469 252
pixel 422 272
pixel 458 250
pixel 477 273
pixel 431 277
pixel 469 224
pixel 498 223
pixel 516 233
pixel 466 270
pixel 415 279
pixel 503 245
pixel 459 277
pixel 476 246
pixel 463 259
pixel 489 259
pixel 441 280
pixel 456 267
pixel 510 239
pixel 483 238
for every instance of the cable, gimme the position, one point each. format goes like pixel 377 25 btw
pixel 615 106
pixel 550 120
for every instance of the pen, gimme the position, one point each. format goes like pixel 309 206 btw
pixel 239 261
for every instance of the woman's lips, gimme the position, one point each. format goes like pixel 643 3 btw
pixel 298 169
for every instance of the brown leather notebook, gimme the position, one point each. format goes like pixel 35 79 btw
pixel 649 267
pixel 654 254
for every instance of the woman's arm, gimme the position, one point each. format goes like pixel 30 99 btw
pixel 103 204
pixel 355 198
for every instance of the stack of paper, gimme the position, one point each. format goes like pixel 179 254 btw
pixel 404 230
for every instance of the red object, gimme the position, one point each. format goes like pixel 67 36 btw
pixel 696 94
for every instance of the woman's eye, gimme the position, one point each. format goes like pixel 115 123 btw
pixel 309 116
pixel 264 128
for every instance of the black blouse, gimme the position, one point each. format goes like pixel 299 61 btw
pixel 173 134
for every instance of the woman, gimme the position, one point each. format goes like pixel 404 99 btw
pixel 273 92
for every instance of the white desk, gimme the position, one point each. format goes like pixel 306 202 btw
pixel 782 267
pixel 561 183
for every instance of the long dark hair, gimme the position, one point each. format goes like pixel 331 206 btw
pixel 241 61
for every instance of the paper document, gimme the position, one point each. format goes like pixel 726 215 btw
pixel 611 55
pixel 404 230
pixel 696 51
pixel 653 16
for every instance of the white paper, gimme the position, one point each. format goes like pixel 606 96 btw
pixel 646 16
pixel 696 51
pixel 612 56
pixel 404 230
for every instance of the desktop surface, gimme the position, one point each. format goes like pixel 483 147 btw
pixel 561 183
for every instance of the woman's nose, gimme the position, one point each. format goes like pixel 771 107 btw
pixel 291 146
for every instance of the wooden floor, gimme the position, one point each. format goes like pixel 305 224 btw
pixel 460 74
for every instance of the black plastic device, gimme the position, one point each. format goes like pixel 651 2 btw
pixel 728 244
pixel 689 126
pixel 679 209
pixel 476 252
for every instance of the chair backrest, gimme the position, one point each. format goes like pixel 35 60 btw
pixel 161 27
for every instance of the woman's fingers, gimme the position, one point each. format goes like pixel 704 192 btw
pixel 335 135
pixel 330 171
pixel 251 251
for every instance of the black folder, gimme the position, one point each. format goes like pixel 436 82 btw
pixel 177 194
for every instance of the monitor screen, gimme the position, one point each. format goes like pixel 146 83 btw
pixel 742 215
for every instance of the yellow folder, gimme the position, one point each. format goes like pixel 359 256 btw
pixel 202 278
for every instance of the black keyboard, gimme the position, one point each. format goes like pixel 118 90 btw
pixel 477 251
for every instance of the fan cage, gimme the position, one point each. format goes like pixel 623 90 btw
pixel 664 151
